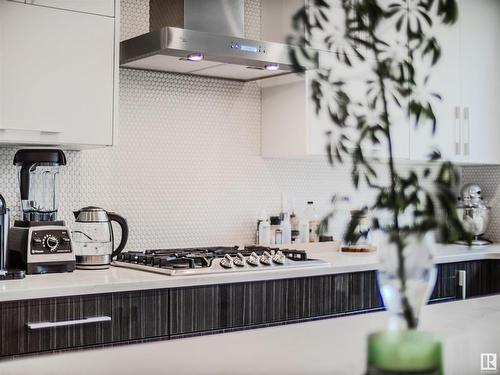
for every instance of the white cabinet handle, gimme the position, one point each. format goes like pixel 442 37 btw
pixel 65 323
pixel 33 130
pixel 458 132
pixel 466 130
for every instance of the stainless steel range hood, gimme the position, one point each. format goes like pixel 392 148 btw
pixel 201 51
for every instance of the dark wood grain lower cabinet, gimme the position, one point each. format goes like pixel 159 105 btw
pixel 482 277
pixel 134 315
pixel 218 307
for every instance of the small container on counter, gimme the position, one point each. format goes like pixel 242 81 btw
pixel 313 218
pixel 304 231
pixel 286 226
pixel 275 224
pixel 264 232
pixel 278 236
pixel 294 223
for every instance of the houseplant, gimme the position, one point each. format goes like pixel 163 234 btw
pixel 380 57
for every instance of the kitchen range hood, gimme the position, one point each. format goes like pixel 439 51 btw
pixel 204 37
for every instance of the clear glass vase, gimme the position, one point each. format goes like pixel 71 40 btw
pixel 405 291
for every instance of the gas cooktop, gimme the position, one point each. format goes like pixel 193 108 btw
pixel 209 260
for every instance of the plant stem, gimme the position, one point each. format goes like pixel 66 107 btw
pixel 407 310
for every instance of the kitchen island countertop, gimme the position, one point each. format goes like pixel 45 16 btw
pixel 117 279
pixel 331 346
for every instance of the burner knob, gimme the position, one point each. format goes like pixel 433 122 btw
pixel 239 260
pixel 51 242
pixel 253 259
pixel 279 257
pixel 266 259
pixel 227 261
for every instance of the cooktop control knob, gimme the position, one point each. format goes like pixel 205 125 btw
pixel 266 259
pixel 279 257
pixel 253 259
pixel 227 261
pixel 51 242
pixel 239 260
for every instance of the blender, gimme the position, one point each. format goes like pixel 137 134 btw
pixel 39 243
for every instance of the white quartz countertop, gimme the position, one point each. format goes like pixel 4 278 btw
pixel 331 346
pixel 118 279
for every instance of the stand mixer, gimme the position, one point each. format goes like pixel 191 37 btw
pixel 474 214
pixel 39 243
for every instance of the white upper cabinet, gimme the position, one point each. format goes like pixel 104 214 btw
pixel 467 78
pixel 59 76
pixel 444 81
pixel 480 80
pixel 291 124
pixel 101 7
pixel 276 18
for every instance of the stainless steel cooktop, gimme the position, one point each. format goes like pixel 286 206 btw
pixel 211 260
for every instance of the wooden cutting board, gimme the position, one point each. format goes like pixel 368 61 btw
pixel 358 249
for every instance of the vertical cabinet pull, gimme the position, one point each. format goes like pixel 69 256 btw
pixel 458 132
pixel 466 131
pixel 461 284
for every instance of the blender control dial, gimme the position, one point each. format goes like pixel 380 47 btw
pixel 50 241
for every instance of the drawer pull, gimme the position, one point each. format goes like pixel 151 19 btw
pixel 65 323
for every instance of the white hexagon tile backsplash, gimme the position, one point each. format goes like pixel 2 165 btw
pixel 186 170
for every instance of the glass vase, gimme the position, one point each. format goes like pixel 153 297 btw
pixel 406 280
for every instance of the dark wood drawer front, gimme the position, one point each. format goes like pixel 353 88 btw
pixel 219 307
pixel 134 315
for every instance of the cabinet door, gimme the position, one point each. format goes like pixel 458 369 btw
pixel 102 7
pixel 445 81
pixel 2 57
pixel 480 76
pixel 58 76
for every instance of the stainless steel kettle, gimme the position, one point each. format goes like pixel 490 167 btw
pixel 93 239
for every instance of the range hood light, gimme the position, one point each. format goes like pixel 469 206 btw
pixel 195 56
pixel 272 66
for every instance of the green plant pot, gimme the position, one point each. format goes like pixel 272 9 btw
pixel 404 352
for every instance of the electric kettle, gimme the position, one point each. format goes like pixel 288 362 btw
pixel 93 240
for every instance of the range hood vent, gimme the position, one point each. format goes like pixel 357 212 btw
pixel 204 37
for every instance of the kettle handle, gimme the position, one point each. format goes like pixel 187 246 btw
pixel 124 226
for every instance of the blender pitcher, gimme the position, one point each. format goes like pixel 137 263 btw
pixel 93 239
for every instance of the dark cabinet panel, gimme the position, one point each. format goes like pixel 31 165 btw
pixel 134 315
pixel 494 276
pixel 217 307
pixel 482 277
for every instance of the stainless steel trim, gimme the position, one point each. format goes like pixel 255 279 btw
pixel 92 215
pixel 226 17
pixel 458 132
pixel 89 262
pixel 217 268
pixel 172 41
pixel 66 323
pixel 4 241
pixel 466 125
